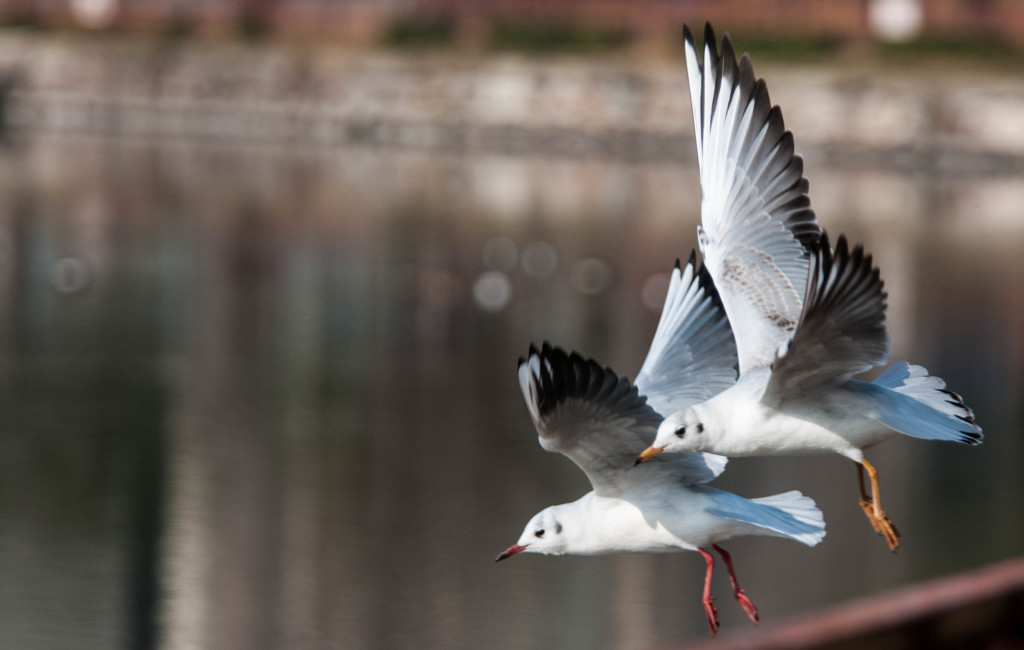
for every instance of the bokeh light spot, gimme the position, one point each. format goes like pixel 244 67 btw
pixel 492 291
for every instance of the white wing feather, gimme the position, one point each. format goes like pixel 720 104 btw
pixel 755 213
pixel 693 355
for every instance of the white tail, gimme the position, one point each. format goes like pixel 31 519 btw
pixel 803 509
pixel 934 412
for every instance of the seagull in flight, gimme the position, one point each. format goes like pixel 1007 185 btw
pixel 601 421
pixel 806 319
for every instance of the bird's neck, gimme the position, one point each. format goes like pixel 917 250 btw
pixel 736 422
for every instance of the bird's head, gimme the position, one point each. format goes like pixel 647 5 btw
pixel 544 534
pixel 680 432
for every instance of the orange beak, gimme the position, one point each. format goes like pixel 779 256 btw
pixel 648 454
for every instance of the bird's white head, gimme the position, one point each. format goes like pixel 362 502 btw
pixel 546 533
pixel 684 431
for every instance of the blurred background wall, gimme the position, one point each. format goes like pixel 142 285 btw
pixel 472 23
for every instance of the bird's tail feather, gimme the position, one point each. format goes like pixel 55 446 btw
pixel 790 514
pixel 803 509
pixel 918 404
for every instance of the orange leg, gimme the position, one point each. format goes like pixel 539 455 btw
pixel 872 507
pixel 709 603
pixel 866 504
pixel 741 597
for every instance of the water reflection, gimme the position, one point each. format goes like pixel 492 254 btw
pixel 258 398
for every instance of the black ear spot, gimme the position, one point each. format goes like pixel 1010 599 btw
pixel 558 528
pixel 700 427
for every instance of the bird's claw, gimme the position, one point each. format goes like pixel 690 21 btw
pixel 748 606
pixel 882 524
pixel 712 614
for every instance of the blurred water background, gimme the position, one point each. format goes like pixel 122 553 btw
pixel 257 358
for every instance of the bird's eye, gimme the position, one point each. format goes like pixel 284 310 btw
pixel 539 532
pixel 700 427
pixel 681 431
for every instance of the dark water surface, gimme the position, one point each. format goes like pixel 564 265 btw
pixel 255 398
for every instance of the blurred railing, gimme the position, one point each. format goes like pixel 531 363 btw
pixel 979 609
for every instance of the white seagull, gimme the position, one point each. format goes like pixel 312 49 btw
pixel 806 320
pixel 601 422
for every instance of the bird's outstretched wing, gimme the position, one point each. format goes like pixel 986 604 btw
pixel 756 217
pixel 693 355
pixel 841 330
pixel 601 422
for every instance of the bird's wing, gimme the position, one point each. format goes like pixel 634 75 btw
pixel 841 331
pixel 756 217
pixel 693 355
pixel 601 422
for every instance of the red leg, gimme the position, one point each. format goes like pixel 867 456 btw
pixel 741 597
pixel 709 603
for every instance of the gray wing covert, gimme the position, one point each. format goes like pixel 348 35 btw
pixel 600 421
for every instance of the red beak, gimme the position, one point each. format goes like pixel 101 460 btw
pixel 510 551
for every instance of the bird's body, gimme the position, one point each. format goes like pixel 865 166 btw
pixel 806 401
pixel 806 319
pixel 601 421
pixel 738 423
pixel 667 518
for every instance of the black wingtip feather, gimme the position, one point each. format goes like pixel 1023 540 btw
pixel 776 126
pixel 709 40
pixel 746 71
pixel 821 245
pixel 728 54
pixel 691 261
pixel 974 436
pixel 789 179
pixel 971 438
pixel 843 314
pixel 853 264
pixel 762 100
pixel 707 284
pixel 565 375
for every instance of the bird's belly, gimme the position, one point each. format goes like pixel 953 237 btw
pixel 846 435
pixel 672 522
pixel 781 435
pixel 628 524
